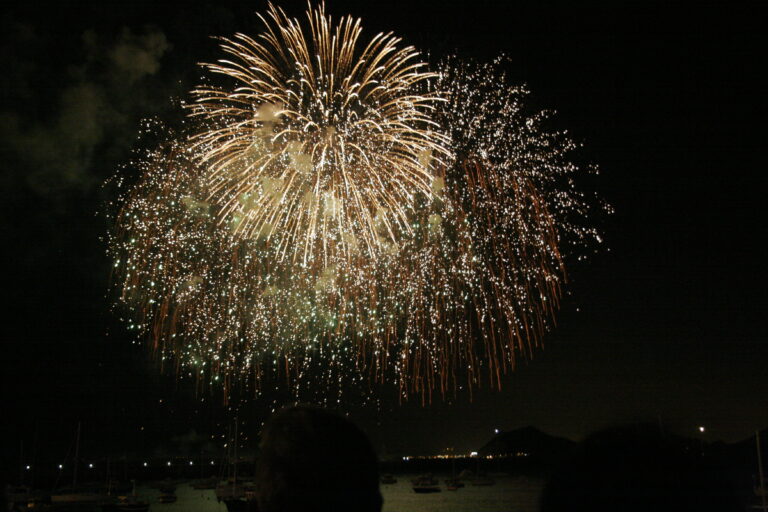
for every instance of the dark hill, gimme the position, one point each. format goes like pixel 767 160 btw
pixel 528 442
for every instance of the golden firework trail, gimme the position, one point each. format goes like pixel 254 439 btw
pixel 338 214
pixel 321 142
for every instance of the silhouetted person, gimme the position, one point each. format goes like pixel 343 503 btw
pixel 314 460
pixel 637 468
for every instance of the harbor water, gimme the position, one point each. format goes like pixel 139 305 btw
pixel 508 494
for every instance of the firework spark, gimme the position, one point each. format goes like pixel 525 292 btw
pixel 345 215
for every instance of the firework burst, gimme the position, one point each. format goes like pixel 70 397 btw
pixel 341 214
pixel 320 142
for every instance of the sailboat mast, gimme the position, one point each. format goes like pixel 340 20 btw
pixel 760 470
pixel 235 450
pixel 77 456
pixel 229 449
pixel 21 464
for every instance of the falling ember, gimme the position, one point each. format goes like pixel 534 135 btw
pixel 340 214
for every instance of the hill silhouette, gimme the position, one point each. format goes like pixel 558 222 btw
pixel 528 442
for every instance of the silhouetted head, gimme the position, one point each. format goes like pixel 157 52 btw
pixel 312 459
pixel 638 468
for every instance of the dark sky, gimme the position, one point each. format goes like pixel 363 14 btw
pixel 666 324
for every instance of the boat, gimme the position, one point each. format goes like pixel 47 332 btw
pixel 465 475
pixel 762 482
pixel 80 496
pixel 242 499
pixel 23 497
pixel 453 484
pixel 237 496
pixel 480 478
pixel 425 484
pixel 127 503
pixel 167 487
pixel 118 487
pixel 167 497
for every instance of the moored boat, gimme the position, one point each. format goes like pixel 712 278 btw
pixel 453 484
pixel 167 497
pixel 425 484
pixel 126 504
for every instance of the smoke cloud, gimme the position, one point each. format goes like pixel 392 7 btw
pixel 68 125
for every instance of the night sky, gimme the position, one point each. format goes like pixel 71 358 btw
pixel 664 324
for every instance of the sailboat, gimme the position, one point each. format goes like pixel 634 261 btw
pixel 425 484
pixel 454 483
pixel 761 488
pixel 237 496
pixel 79 497
pixel 481 479
pixel 128 503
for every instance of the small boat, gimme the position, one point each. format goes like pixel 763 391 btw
pixel 73 498
pixel 126 504
pixel 388 479
pixel 23 497
pixel 167 487
pixel 118 487
pixel 245 502
pixel 167 497
pixel 79 496
pixel 425 484
pixel 238 496
pixel 234 491
pixel 453 484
